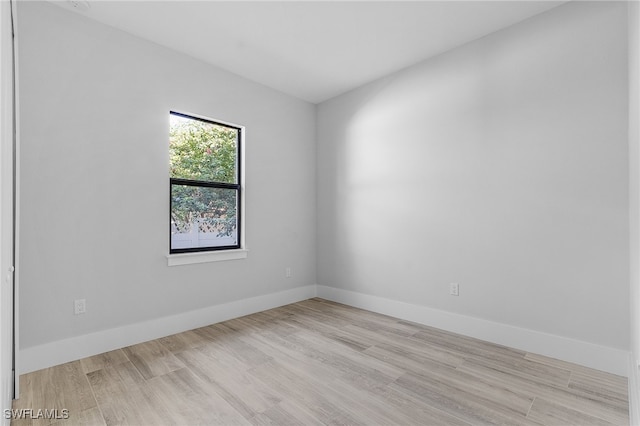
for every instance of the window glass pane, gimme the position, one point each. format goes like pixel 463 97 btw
pixel 201 150
pixel 203 217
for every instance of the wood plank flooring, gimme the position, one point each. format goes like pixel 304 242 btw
pixel 318 363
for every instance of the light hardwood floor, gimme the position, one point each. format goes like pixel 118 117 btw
pixel 318 362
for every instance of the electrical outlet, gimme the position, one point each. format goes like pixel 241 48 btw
pixel 287 272
pixel 454 289
pixel 79 306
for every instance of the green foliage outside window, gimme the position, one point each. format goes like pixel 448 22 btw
pixel 205 152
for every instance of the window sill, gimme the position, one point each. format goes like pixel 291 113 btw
pixel 204 257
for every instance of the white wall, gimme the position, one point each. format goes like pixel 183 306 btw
pixel 500 165
pixel 634 206
pixel 94 111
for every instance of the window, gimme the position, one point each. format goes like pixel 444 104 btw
pixel 204 184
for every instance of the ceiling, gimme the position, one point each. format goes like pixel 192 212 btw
pixel 311 50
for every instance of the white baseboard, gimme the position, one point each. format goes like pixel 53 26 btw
pixel 61 351
pixel 634 396
pixel 603 358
